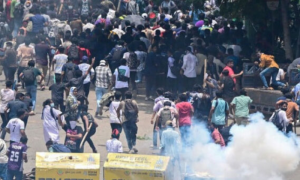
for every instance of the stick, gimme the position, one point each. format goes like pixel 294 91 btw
pixel 119 4
pixel 83 139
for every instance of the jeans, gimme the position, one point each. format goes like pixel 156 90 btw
pixel 17 174
pixel 3 171
pixel 273 71
pixel 32 90
pixel 99 93
pixel 11 73
pixel 17 25
pixel 160 80
pixel 89 135
pixel 150 85
pixel 130 130
pixel 132 80
pixel 86 88
pixel 185 132
pixel 139 76
pixel 188 83
pixel 123 91
pixel 155 133
pixel 172 85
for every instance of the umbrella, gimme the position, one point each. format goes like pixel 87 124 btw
pixel 137 19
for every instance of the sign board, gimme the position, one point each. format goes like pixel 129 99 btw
pixel 60 166
pixel 272 4
pixel 135 167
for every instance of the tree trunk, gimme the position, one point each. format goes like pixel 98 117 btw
pixel 286 31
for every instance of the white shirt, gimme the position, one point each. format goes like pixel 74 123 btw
pixel 113 114
pixel 6 95
pixel 279 74
pixel 126 55
pixel 126 72
pixel 88 26
pixel 189 65
pixel 282 118
pixel 84 67
pixel 114 146
pixel 60 60
pixel 15 126
pixel 50 125
pixel 170 64
pixel 236 49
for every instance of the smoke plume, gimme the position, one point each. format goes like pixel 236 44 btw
pixel 256 152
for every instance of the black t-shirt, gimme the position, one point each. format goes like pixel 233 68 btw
pixel 89 116
pixel 28 102
pixel 72 144
pixel 57 92
pixel 228 86
pixel 78 83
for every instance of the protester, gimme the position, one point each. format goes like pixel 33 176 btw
pixel 84 66
pixel 9 62
pixel 89 125
pixel 15 127
pixel 121 77
pixel 130 111
pixel 189 69
pixel 50 117
pixel 115 122
pixel 113 145
pixel 219 112
pixel 59 60
pixel 57 93
pixel 6 95
pixel 185 112
pixel 279 118
pixel 103 83
pixel 3 159
pixel 72 105
pixel 216 135
pixel 17 153
pixel 29 76
pixel 240 106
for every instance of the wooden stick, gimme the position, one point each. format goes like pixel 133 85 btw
pixel 83 139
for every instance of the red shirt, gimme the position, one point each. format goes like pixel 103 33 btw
pixel 184 111
pixel 230 72
pixel 216 135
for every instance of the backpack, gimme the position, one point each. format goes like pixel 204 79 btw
pixel 122 77
pixel 276 120
pixel 60 148
pixel 70 72
pixel 129 111
pixel 73 52
pixel 53 28
pixel 28 76
pixel 107 98
pixel 165 116
pixel 133 62
pixel 19 11
pixel 117 54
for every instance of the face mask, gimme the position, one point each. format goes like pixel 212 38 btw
pixel 52 105
pixel 284 109
pixel 72 124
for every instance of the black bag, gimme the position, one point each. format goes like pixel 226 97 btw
pixel 70 72
pixel 175 70
pixel 28 76
pixel 276 120
pixel 73 52
pixel 122 77
pixel 130 112
pixel 117 55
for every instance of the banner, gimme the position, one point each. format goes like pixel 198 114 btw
pixel 60 166
pixel 135 167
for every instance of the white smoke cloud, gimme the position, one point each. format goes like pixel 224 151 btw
pixel 257 152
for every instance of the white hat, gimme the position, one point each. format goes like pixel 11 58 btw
pixel 102 63
pixel 144 15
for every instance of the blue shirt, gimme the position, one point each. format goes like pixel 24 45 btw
pixel 219 115
pixel 37 22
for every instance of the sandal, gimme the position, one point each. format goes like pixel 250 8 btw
pixel 43 88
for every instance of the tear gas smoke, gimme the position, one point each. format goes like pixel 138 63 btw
pixel 256 152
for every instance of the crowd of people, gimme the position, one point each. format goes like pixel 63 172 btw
pixel 187 56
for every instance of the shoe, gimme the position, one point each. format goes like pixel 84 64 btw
pixel 95 151
pixel 100 113
pixel 131 151
pixel 151 98
pixel 135 150
pixel 19 84
pixel 154 147
pixel 96 114
pixel 137 81
pixel 31 113
pixel 146 98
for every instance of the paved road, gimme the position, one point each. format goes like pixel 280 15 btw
pixel 36 141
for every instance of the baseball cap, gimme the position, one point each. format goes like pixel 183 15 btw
pixel 102 63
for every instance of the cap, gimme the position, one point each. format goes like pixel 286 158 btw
pixel 115 132
pixel 166 19
pixel 102 63
pixel 144 15
pixel 169 123
pixel 85 58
